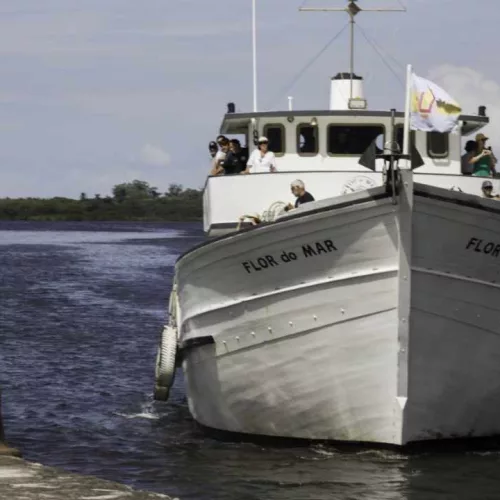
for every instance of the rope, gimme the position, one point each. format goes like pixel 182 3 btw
pixel 274 211
pixel 297 77
pixel 376 49
pixel 270 215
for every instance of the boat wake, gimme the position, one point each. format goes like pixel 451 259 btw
pixel 147 412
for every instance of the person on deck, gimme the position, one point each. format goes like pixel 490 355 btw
pixel 467 167
pixel 236 159
pixel 483 159
pixel 261 160
pixel 218 161
pixel 212 148
pixel 487 188
pixel 299 191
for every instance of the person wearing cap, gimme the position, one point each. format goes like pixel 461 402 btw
pixel 261 160
pixel 487 188
pixel 299 191
pixel 483 159
pixel 220 156
pixel 212 148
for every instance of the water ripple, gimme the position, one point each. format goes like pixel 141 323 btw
pixel 82 310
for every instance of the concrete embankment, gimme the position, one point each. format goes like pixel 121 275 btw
pixel 22 480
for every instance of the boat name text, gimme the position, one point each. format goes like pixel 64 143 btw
pixel 306 251
pixel 480 246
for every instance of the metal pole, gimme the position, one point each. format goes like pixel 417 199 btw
pixel 406 128
pixel 290 101
pixel 352 9
pixel 392 162
pixel 351 63
pixel 254 54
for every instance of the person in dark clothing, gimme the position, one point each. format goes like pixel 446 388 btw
pixel 299 190
pixel 470 148
pixel 236 159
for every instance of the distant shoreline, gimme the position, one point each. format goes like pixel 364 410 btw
pixel 130 202
pixel 114 221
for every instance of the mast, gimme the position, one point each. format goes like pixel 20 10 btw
pixel 352 10
pixel 254 55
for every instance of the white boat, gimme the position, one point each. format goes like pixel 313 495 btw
pixel 369 315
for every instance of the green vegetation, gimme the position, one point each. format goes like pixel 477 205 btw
pixel 131 201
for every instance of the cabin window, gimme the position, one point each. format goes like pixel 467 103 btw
pixel 307 139
pixel 275 132
pixel 438 144
pixel 399 136
pixel 353 139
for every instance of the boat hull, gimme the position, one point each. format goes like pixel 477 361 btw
pixel 376 335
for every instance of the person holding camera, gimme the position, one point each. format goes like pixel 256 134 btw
pixel 220 156
pixel 483 159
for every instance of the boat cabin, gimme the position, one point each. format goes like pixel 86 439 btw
pixel 323 149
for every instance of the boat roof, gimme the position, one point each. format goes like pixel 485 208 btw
pixel 237 123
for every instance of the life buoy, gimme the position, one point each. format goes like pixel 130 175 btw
pixel 165 363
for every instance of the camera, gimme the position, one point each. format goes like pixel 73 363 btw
pixel 212 147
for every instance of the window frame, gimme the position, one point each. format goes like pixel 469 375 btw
pixel 297 139
pixel 350 125
pixel 283 136
pixel 433 155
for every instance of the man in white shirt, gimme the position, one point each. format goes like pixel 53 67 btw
pixel 220 156
pixel 261 160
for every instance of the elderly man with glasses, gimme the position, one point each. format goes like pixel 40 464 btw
pixel 298 189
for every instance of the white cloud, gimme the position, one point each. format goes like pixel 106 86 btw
pixel 472 89
pixel 155 156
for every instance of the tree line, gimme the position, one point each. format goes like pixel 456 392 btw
pixel 130 201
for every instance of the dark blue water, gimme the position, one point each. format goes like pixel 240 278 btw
pixel 82 306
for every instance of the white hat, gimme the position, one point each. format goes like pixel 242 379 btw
pixel 297 183
pixel 263 139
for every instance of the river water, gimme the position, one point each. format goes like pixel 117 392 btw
pixel 82 306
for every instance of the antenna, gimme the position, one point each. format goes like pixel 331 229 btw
pixel 352 9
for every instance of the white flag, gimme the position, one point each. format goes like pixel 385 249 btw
pixel 432 108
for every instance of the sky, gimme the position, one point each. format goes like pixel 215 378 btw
pixel 98 92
